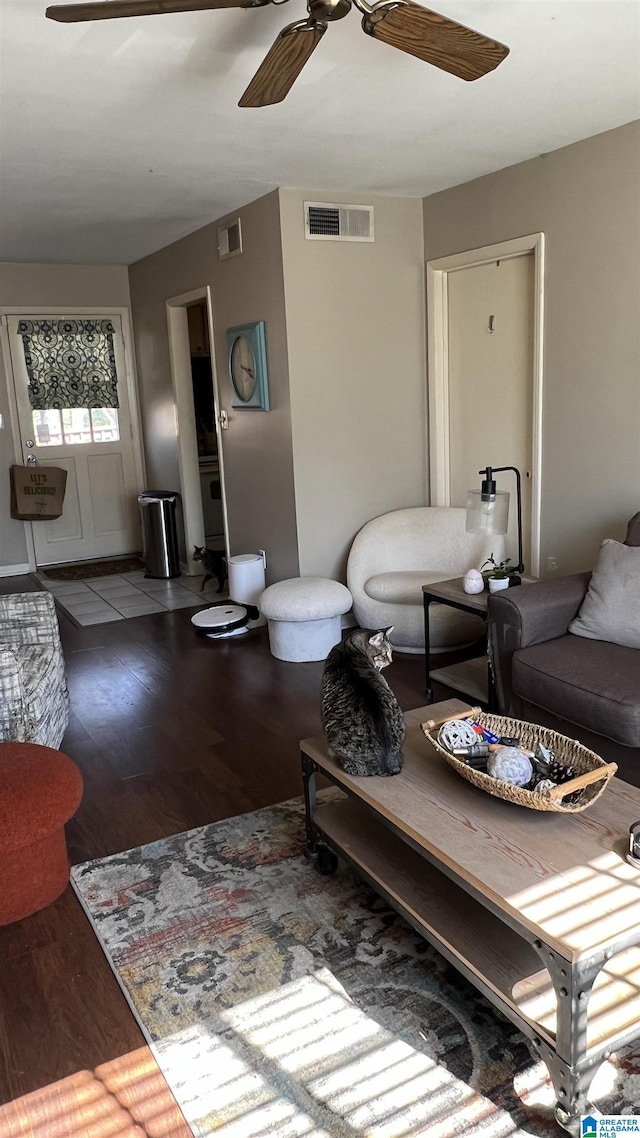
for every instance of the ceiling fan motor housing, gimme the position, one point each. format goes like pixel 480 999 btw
pixel 322 10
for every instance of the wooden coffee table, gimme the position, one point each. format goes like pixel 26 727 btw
pixel 539 910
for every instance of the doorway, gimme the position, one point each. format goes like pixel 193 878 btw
pixel 205 416
pixel 200 455
pixel 485 313
pixel 490 383
pixel 98 446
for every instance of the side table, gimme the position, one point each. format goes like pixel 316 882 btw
pixel 471 678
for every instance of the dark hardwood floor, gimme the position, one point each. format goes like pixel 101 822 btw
pixel 171 731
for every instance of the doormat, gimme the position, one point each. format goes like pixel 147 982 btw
pixel 83 570
pixel 279 1002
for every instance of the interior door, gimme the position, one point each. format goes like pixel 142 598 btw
pixel 95 447
pixel 491 327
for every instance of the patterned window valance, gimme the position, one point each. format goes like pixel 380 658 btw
pixel 70 363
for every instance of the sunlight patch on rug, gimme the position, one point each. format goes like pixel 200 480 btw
pixel 282 1003
pixel 367 1081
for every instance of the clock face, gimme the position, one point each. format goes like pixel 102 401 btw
pixel 247 364
pixel 244 375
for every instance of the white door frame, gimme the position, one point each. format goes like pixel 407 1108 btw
pixel 129 377
pixel 438 363
pixel 186 437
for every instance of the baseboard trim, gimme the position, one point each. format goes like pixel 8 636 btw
pixel 15 570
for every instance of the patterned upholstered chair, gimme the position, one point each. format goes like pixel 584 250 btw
pixel 34 702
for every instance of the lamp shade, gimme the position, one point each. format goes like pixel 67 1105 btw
pixel 487 514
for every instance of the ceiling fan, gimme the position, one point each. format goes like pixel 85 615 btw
pixel 401 23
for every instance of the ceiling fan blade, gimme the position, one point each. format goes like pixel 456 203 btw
pixel 114 9
pixel 434 38
pixel 283 63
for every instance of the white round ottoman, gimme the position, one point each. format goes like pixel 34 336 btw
pixel 304 616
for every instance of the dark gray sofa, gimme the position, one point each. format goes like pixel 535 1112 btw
pixel 587 689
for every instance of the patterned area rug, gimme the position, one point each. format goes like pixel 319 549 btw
pixel 84 569
pixel 282 1003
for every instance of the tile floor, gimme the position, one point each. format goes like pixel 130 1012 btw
pixel 98 600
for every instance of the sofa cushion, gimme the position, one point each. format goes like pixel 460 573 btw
pixel 590 682
pixel 404 588
pixel 611 609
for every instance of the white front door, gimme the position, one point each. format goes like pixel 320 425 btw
pixel 95 447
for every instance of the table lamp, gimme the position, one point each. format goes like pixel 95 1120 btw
pixel 488 508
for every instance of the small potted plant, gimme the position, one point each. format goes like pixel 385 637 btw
pixel 500 574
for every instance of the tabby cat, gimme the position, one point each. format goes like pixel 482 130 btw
pixel 361 716
pixel 215 564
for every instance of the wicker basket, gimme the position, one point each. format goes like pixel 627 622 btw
pixel 566 751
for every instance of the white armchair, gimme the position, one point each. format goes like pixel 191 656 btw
pixel 34 702
pixel 394 555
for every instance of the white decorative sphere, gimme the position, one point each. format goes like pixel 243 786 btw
pixel 510 764
pixel 473 581
pixel 456 733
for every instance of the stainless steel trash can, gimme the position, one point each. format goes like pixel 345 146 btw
pixel 159 533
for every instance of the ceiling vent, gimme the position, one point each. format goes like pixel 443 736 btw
pixel 326 222
pixel 229 240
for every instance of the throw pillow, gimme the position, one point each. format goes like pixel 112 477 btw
pixel 611 609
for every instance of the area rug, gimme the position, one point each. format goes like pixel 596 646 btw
pixel 86 569
pixel 279 1002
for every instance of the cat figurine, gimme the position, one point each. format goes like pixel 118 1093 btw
pixel 215 564
pixel 361 716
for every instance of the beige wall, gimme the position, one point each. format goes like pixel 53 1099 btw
pixel 257 447
pixel 39 286
pixel 345 437
pixel 586 199
pixel 355 327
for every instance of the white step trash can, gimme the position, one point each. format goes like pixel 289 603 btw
pixel 247 580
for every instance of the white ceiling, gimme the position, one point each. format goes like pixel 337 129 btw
pixel 120 136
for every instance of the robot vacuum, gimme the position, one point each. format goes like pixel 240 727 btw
pixel 222 620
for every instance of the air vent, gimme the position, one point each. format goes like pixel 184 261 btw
pixel 229 240
pixel 326 222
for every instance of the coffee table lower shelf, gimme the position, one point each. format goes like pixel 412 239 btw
pixel 492 956
pixel 498 961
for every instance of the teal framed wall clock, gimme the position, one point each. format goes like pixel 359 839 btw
pixel 247 355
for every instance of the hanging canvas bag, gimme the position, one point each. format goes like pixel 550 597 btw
pixel 37 492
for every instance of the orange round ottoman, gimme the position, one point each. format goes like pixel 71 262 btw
pixel 40 789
